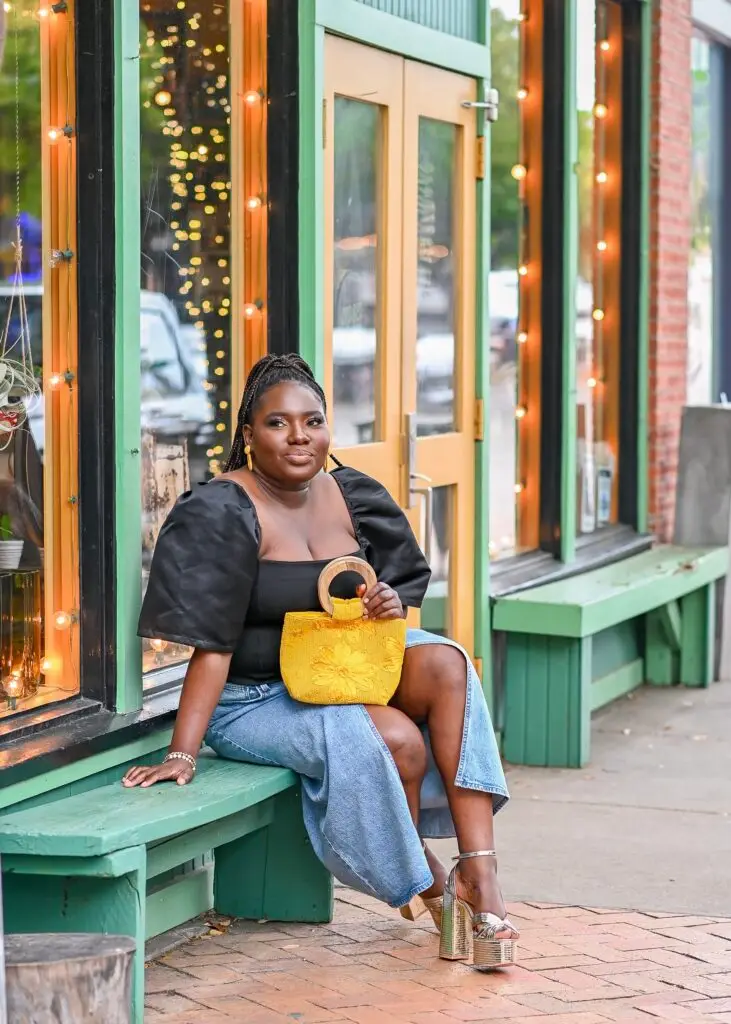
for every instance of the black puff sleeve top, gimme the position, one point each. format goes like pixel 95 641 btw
pixel 207 587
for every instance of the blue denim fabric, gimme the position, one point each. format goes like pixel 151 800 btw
pixel 354 805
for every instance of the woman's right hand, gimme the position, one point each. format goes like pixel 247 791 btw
pixel 176 770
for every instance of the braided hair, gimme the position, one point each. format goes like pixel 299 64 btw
pixel 270 371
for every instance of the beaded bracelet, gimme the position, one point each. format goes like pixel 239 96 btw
pixel 179 755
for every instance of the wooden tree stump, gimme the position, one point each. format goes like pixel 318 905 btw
pixel 69 979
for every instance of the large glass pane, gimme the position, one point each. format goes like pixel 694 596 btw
pixel 700 269
pixel 437 524
pixel 356 287
pixel 39 593
pixel 436 295
pixel 185 327
pixel 503 297
pixel 598 89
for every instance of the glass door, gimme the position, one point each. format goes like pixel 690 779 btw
pixel 363 128
pixel 438 337
pixel 400 159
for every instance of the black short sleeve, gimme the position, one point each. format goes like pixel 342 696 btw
pixel 385 535
pixel 203 569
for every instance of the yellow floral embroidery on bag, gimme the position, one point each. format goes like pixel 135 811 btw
pixel 343 659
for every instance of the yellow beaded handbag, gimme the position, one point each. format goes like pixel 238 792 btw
pixel 336 656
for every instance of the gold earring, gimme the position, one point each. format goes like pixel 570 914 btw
pixel 249 460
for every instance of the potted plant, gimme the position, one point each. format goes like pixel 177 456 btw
pixel 11 549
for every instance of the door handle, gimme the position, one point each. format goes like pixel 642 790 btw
pixel 490 104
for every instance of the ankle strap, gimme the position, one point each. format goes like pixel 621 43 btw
pixel 477 853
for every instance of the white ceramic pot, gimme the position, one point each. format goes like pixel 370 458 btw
pixel 11 551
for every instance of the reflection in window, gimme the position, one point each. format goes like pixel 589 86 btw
pixel 356 288
pixel 700 269
pixel 436 313
pixel 437 529
pixel 514 350
pixel 38 559
pixel 598 91
pixel 185 328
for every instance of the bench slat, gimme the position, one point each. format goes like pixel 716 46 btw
pixel 590 602
pixel 112 818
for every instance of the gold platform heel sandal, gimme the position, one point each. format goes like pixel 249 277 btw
pixel 419 905
pixel 463 930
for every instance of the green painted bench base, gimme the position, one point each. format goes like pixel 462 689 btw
pixel 549 690
pixel 103 861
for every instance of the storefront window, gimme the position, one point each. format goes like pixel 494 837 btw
pixel 186 296
pixel 598 92
pixel 514 282
pixel 701 264
pixel 39 579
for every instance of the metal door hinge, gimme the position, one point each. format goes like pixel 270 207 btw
pixel 480 156
pixel 479 419
pixel 324 124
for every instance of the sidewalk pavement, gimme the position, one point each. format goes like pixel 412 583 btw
pixel 578 965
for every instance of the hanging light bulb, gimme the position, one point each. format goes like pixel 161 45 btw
pixel 252 97
pixel 518 171
pixel 253 203
pixel 591 382
pixel 598 314
pixel 601 245
pixel 604 45
pixel 602 177
pixel 522 270
pixel 62 620
pixel 522 93
pixel 600 110
pixel 522 337
pixel 519 488
pixel 520 412
pixel 251 309
pixel 54 133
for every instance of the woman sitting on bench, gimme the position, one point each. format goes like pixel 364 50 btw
pixel 234 556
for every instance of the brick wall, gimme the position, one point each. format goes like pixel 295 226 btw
pixel 669 248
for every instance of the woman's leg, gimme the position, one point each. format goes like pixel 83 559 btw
pixel 433 690
pixel 404 740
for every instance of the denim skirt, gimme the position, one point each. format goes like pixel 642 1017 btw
pixel 354 805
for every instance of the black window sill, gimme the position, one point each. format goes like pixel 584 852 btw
pixel 592 552
pixel 82 731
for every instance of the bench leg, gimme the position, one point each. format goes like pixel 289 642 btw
pixel 698 637
pixel 58 903
pixel 273 874
pixel 547 700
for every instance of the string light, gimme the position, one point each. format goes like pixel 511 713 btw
pixel 522 93
pixel 591 382
pixel 47 665
pixel 519 487
pixel 522 337
pixel 55 380
pixel 254 203
pixel 252 97
pixel 601 245
pixel 518 171
pixel 523 270
pixel 62 620
pixel 598 314
pixel 252 309
pixel 601 177
pixel 520 412
pixel 604 45
pixel 600 110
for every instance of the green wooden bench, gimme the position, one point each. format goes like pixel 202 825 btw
pixel 550 691
pixel 106 860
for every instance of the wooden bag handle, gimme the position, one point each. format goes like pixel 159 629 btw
pixel 334 568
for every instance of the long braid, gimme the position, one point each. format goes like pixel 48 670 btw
pixel 267 373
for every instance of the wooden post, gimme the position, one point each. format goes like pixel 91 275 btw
pixel 51 979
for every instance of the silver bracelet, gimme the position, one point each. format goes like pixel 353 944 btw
pixel 178 755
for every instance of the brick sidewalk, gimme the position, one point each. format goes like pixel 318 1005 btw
pixel 577 966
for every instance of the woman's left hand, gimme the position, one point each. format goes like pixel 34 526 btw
pixel 381 602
